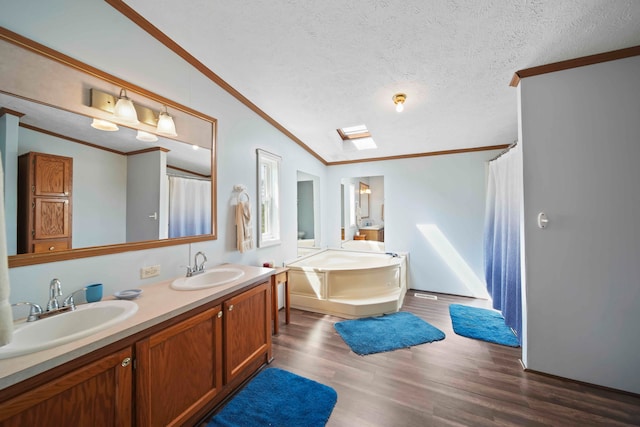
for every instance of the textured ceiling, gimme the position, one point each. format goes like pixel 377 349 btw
pixel 318 66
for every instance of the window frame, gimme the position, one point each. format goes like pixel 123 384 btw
pixel 268 185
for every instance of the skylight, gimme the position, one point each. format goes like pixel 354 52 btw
pixel 359 136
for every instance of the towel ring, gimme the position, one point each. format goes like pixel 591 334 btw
pixel 244 193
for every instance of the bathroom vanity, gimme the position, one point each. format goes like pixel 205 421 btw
pixel 171 363
pixel 374 232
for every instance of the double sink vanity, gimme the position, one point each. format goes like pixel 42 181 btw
pixel 166 358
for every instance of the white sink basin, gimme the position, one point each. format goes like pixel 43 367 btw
pixel 372 227
pixel 213 277
pixel 62 328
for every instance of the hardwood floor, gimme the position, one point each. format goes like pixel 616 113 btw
pixel 454 382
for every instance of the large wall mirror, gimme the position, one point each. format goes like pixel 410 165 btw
pixel 130 189
pixel 362 212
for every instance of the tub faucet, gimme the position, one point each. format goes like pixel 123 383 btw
pixel 197 269
pixel 55 291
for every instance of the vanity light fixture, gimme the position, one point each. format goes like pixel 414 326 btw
pixel 399 99
pixel 166 126
pixel 124 109
pixel 104 125
pixel 146 136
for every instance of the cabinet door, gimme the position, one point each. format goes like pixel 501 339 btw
pixel 52 175
pixel 51 218
pixel 247 329
pixel 98 394
pixel 179 370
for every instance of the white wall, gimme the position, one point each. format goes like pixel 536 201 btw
pixel 580 133
pixel 425 199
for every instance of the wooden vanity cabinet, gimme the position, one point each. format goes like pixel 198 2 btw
pixel 179 370
pixel 183 369
pixel 97 394
pixel 247 337
pixel 375 235
pixel 44 202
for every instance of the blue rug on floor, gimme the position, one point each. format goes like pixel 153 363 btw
pixel 385 333
pixel 278 398
pixel 481 324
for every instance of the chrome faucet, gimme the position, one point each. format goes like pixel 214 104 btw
pixel 55 291
pixel 34 313
pixel 197 269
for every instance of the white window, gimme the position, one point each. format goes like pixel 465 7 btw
pixel 268 199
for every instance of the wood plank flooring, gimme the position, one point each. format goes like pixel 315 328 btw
pixel 454 382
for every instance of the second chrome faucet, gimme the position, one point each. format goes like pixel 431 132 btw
pixel 197 268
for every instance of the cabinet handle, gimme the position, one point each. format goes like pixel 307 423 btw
pixel 51 248
pixel 231 307
pixel 126 362
pixel 220 314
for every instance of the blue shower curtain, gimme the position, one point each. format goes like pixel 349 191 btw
pixel 502 236
pixel 189 206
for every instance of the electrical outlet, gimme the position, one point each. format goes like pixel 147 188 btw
pixel 151 271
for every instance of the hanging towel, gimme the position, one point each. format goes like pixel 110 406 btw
pixel 6 318
pixel 243 226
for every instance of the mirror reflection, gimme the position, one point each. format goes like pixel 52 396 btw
pixel 70 186
pixel 121 189
pixel 364 193
pixel 308 201
pixel 362 213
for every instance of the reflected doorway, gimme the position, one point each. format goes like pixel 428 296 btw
pixel 308 213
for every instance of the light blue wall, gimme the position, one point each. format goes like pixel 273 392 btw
pixel 119 47
pixel 445 191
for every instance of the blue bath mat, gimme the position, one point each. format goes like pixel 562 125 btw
pixel 278 398
pixel 386 333
pixel 481 324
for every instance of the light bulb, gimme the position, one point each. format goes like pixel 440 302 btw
pixel 146 136
pixel 166 126
pixel 104 125
pixel 124 109
pixel 399 99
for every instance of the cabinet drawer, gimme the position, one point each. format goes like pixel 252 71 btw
pixel 51 246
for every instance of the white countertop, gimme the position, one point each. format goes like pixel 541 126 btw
pixel 158 302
